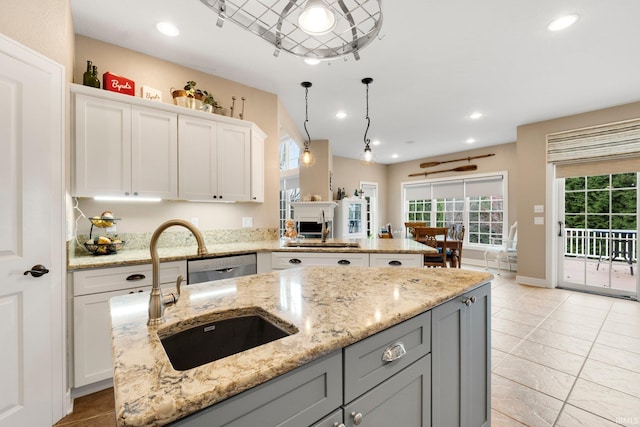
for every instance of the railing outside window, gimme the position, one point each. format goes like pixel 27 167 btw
pixel 601 243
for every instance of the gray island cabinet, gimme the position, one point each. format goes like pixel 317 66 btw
pixel 370 351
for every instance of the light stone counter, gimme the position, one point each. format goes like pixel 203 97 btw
pixel 143 256
pixel 332 307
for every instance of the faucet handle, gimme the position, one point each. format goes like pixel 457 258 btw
pixel 179 281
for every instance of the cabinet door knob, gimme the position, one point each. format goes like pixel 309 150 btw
pixel 393 352
pixel 473 299
pixel 357 418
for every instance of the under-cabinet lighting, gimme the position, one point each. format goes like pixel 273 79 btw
pixel 126 199
pixel 311 61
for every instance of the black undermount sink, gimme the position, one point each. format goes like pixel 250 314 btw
pixel 223 337
pixel 303 244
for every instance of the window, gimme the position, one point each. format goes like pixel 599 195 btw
pixel 475 201
pixel 289 178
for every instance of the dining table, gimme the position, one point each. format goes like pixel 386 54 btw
pixel 454 245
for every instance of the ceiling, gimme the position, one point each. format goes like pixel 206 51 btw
pixel 434 63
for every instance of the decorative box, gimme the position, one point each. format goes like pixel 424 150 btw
pixel 118 84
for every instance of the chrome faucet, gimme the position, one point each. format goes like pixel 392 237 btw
pixel 157 301
pixel 325 230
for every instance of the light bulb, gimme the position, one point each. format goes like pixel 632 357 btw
pixel 307 159
pixel 316 18
pixel 367 157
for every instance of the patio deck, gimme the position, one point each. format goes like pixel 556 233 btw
pixel 621 277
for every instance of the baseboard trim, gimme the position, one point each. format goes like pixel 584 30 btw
pixel 91 388
pixel 533 281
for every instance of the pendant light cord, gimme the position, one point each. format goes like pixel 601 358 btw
pixel 306 115
pixel 366 81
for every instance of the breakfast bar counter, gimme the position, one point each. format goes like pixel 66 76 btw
pixel 329 307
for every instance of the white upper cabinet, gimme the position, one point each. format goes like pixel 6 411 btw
pixel 128 146
pixel 124 150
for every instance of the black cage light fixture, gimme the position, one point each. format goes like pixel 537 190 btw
pixel 310 29
pixel 307 159
pixel 367 156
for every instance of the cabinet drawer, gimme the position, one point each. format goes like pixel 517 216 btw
pixel 87 282
pixel 281 260
pixel 298 398
pixel 364 366
pixel 396 260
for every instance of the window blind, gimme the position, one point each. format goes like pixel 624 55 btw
pixel 489 186
pixel 417 192
pixel 448 189
pixel 609 141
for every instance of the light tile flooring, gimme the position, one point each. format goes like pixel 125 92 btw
pixel 563 358
pixel 559 358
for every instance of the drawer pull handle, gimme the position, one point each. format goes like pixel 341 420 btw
pixel 344 262
pixel 394 352
pixel 395 263
pixel 295 261
pixel 135 277
pixel 357 418
pixel 469 301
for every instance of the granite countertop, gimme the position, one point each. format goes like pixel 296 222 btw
pixel 319 301
pixel 143 256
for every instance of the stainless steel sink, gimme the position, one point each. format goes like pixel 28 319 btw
pixel 224 337
pixel 322 244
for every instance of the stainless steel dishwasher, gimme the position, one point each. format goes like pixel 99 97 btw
pixel 209 269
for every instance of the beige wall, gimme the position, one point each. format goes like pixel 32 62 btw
pixel 348 173
pixel 504 160
pixel 44 26
pixel 533 240
pixel 260 107
pixel 315 179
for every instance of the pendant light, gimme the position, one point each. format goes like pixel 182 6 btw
pixel 367 156
pixel 316 18
pixel 307 159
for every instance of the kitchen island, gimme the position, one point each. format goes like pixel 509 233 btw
pixel 330 307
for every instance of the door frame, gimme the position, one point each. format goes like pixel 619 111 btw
pixel 375 207
pixel 559 242
pixel 60 390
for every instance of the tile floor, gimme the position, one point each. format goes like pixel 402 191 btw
pixel 559 358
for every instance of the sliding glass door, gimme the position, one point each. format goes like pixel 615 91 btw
pixel 598 233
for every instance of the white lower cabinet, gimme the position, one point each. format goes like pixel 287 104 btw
pixel 395 260
pixel 284 260
pixel 92 361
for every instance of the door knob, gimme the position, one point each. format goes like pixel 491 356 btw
pixel 37 270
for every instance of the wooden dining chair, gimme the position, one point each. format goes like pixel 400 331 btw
pixel 409 226
pixel 436 237
pixel 454 254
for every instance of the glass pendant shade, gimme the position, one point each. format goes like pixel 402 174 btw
pixel 307 159
pixel 367 157
pixel 316 18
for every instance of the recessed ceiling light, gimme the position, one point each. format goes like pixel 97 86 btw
pixel 394 156
pixel 471 140
pixel 376 142
pixel 311 61
pixel 341 114
pixel 475 115
pixel 168 29
pixel 562 23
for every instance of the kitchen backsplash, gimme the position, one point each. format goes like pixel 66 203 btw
pixel 136 241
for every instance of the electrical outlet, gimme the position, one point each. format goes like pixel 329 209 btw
pixel 247 221
pixel 194 221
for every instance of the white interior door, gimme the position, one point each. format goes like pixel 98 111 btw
pixel 31 195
